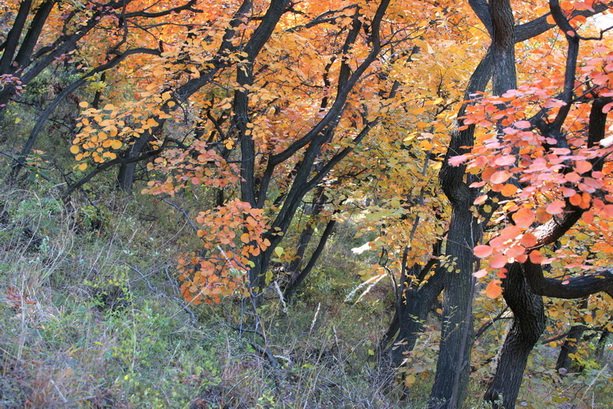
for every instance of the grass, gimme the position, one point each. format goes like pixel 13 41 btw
pixel 91 317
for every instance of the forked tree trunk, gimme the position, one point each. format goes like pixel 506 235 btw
pixel 528 325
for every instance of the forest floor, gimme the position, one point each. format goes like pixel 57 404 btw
pixel 91 317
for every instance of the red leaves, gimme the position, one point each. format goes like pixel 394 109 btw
pixel 524 217
pixel 523 125
pixel 482 251
pixel 232 233
pixel 528 240
pixel 500 177
pixel 536 257
pixel 555 207
pixel 504 160
pixel 582 166
pixel 197 165
pixel 498 261
pixel 457 160
pixel 557 176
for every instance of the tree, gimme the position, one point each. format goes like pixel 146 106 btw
pixel 523 280
pixel 49 33
pixel 278 165
pixel 258 107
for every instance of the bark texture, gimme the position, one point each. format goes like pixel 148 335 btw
pixel 528 325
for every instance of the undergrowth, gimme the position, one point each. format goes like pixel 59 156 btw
pixel 91 317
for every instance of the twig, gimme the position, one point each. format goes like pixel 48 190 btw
pixel 596 378
pixel 152 288
pixel 278 289
pixel 314 318
pixel 491 322
pixel 184 212
pixel 58 391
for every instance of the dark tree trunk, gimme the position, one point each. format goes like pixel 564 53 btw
pixel 453 365
pixel 528 325
pixel 602 343
pixel 127 171
pixel 564 364
pixel 299 278
pixel 307 233
pixel 409 320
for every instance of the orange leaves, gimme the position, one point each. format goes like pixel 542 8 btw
pixel 500 177
pixel 196 165
pixel 498 261
pixel 555 207
pixel 504 160
pixel 209 280
pixel 509 190
pixel 536 257
pixel 232 234
pixel 482 251
pixel 582 167
pixel 493 289
pixel 581 200
pixel 528 240
pixel 524 217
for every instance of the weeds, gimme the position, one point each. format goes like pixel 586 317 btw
pixel 91 318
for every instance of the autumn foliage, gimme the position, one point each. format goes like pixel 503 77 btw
pixel 469 142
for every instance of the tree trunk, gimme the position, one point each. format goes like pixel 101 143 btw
pixel 294 267
pixel 602 343
pixel 409 320
pixel 127 171
pixel 564 364
pixel 453 363
pixel 300 276
pixel 528 325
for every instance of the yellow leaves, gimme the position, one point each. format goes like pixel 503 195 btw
pixel 150 123
pixel 74 149
pixel 409 379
